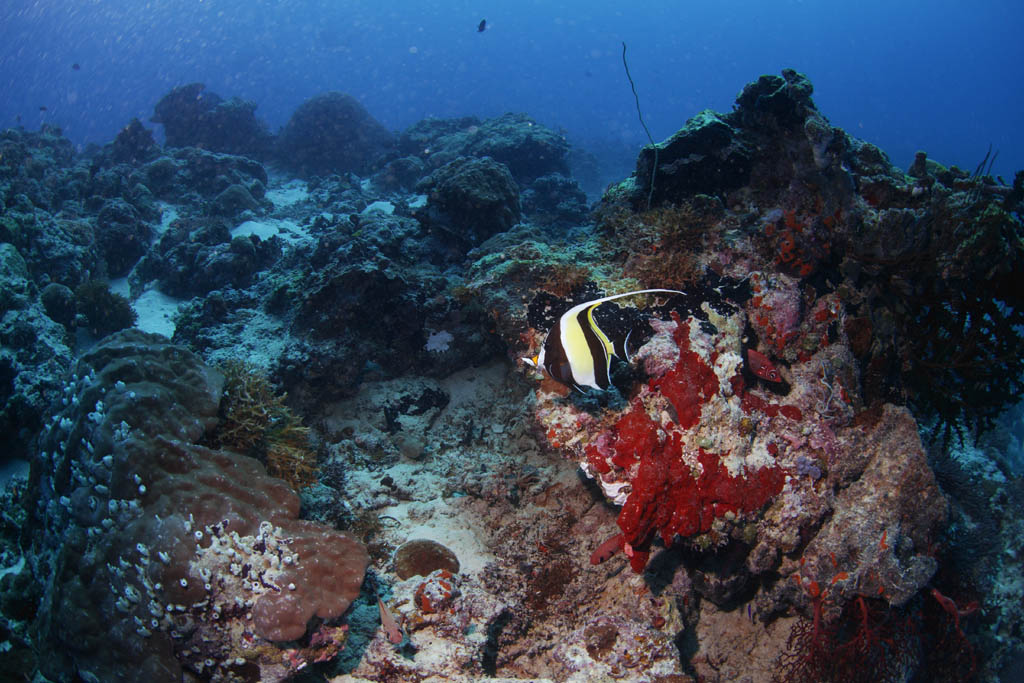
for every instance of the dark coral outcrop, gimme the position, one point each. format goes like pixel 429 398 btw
pixel 196 256
pixel 122 236
pixel 332 133
pixel 469 200
pixel 194 117
pixel 555 200
pixel 749 148
pixel 134 144
pixel 528 149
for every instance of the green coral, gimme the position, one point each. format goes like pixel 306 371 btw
pixel 104 310
pixel 256 422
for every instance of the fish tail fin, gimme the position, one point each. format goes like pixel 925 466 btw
pixel 622 348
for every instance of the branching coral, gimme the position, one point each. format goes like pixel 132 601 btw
pixel 256 422
pixel 869 641
pixel 941 290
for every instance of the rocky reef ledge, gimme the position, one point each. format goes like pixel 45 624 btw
pixel 320 455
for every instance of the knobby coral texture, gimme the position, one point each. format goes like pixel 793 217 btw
pixel 674 492
pixel 668 457
pixel 167 556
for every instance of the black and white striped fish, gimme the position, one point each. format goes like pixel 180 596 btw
pixel 577 352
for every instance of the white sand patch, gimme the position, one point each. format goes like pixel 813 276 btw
pixel 471 387
pixel 265 228
pixel 292 192
pixel 386 208
pixel 121 286
pixel 156 312
pixel 168 214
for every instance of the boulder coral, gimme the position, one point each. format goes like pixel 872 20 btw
pixel 469 200
pixel 332 133
pixel 195 117
pixel 166 556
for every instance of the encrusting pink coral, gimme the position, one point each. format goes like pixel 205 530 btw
pixel 672 493
pixel 690 383
pixel 668 498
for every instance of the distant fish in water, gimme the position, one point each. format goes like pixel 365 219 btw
pixel 76 67
pixel 42 107
pixel 577 352
pixel 482 26
pixel 761 366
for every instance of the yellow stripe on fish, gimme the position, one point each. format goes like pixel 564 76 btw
pixel 577 352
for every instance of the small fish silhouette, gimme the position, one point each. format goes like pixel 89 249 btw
pixel 76 67
pixel 42 107
pixel 482 26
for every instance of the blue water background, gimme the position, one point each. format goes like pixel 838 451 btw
pixel 942 76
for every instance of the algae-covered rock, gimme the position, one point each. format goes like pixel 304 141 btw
pixel 332 133
pixel 470 199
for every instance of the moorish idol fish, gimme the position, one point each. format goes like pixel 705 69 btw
pixel 577 352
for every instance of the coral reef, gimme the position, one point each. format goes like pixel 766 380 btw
pixel 555 199
pixel 195 117
pixel 529 150
pixel 256 422
pixel 166 555
pixel 104 311
pixel 772 487
pixel 470 200
pixel 134 144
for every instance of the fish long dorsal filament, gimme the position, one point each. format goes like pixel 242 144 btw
pixel 579 355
